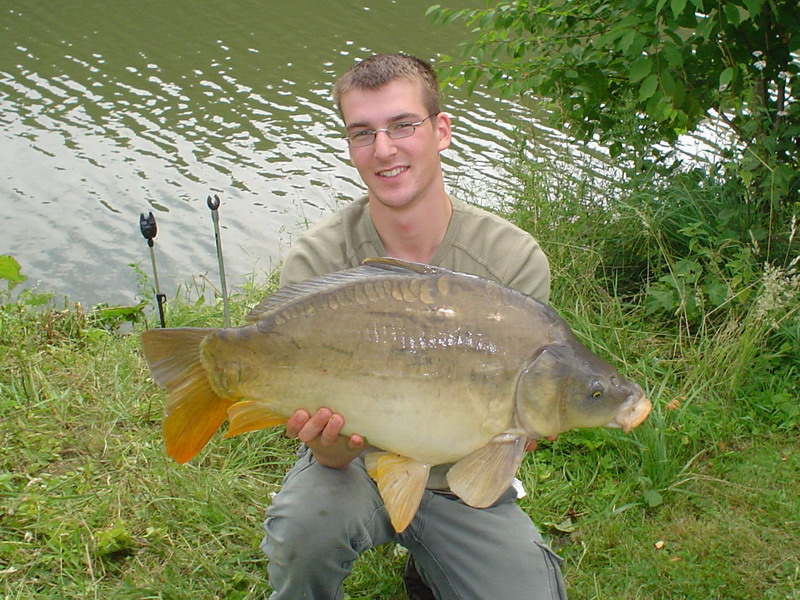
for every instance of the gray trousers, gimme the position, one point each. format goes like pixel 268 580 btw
pixel 322 519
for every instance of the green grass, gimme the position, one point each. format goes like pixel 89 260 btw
pixel 700 502
pixel 90 507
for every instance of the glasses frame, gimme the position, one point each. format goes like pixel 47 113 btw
pixel 391 132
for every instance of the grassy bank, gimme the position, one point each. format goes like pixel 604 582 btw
pixel 698 503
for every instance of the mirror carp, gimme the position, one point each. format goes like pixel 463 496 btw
pixel 431 366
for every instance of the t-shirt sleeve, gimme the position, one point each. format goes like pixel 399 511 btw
pixel 298 266
pixel 493 247
pixel 319 251
pixel 529 271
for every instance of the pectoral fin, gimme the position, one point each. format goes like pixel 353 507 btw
pixel 401 482
pixel 481 477
pixel 250 416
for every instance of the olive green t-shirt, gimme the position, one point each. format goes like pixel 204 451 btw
pixel 476 242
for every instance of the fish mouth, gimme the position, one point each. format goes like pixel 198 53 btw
pixel 632 413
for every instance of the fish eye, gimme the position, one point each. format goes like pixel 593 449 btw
pixel 596 390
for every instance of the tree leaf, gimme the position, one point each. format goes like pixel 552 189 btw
pixel 726 77
pixel 648 87
pixel 627 40
pixel 10 271
pixel 535 44
pixel 640 69
pixel 668 83
pixel 753 7
pixel 673 55
pixel 677 7
pixel 733 14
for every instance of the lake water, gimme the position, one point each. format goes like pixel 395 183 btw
pixel 112 109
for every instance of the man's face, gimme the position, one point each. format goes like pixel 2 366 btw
pixel 400 172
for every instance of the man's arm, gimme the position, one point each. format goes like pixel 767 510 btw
pixel 531 276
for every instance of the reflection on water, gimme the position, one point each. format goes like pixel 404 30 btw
pixel 110 109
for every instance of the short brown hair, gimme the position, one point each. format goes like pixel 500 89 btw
pixel 378 70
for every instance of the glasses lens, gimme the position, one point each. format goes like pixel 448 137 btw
pixel 360 140
pixel 401 130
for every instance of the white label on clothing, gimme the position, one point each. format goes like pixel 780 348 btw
pixel 517 485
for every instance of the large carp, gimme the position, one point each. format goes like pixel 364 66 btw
pixel 430 365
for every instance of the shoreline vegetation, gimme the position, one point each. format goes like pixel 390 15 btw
pixel 700 502
pixel 685 277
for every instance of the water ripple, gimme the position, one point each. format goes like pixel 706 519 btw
pixel 110 110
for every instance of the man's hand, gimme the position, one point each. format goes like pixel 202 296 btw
pixel 320 432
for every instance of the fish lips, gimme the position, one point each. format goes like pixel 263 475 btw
pixel 632 412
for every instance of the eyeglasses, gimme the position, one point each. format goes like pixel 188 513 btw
pixel 395 131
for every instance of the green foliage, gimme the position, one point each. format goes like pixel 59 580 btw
pixel 690 249
pixel 114 541
pixel 101 319
pixel 10 271
pixel 689 274
pixel 631 73
pixel 91 507
pixel 700 253
pixel 111 316
pixel 698 502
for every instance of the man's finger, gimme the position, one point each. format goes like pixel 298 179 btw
pixel 314 426
pixel 296 422
pixel 355 442
pixel 330 434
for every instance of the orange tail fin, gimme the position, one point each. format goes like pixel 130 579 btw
pixel 194 412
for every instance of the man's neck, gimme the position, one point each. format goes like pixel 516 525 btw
pixel 413 232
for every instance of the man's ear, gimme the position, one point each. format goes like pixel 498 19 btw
pixel 443 130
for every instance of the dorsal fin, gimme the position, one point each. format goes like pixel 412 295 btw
pixel 398 265
pixel 369 268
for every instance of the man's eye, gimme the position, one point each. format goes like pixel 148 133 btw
pixel 401 126
pixel 362 133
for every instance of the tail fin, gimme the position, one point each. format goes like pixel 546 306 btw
pixel 194 412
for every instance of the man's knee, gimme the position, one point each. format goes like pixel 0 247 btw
pixel 318 511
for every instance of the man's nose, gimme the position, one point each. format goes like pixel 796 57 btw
pixel 384 145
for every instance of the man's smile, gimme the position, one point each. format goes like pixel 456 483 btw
pixel 393 172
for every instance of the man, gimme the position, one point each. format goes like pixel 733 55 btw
pixel 329 510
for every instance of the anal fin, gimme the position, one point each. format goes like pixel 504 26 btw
pixel 249 415
pixel 482 476
pixel 401 482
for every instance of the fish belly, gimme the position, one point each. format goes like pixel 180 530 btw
pixel 431 423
